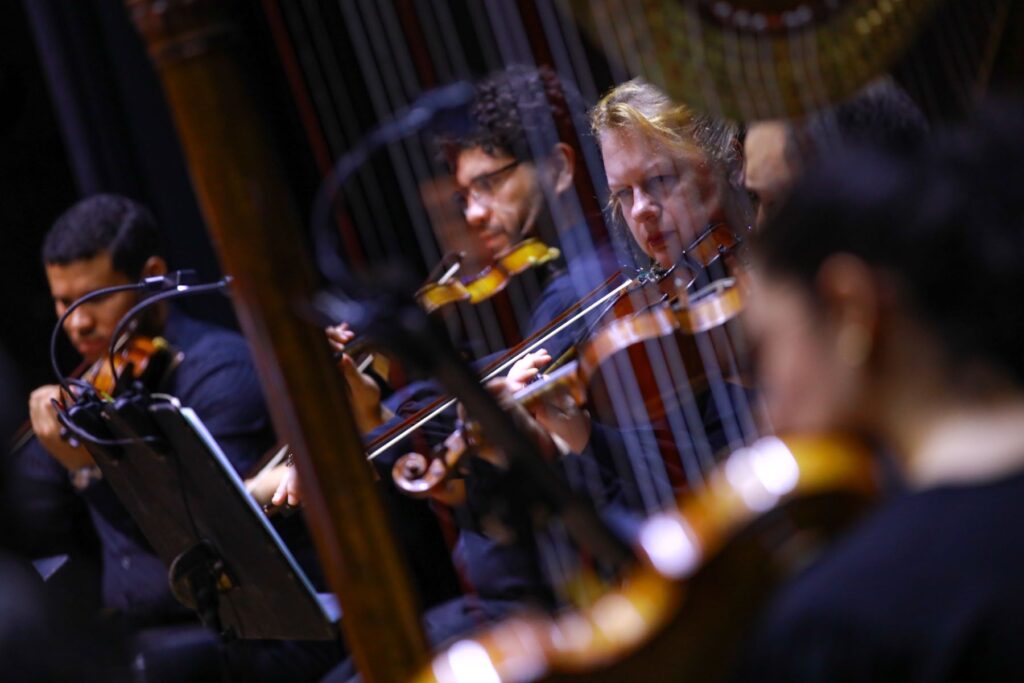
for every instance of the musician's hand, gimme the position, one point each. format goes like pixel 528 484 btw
pixel 47 429
pixel 526 368
pixel 338 336
pixel 288 490
pixel 264 485
pixel 364 393
pixel 559 413
pixel 537 433
pixel 556 411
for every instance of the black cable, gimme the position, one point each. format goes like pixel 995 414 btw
pixel 61 379
pixel 173 279
pixel 179 290
pixel 67 422
pixel 422 113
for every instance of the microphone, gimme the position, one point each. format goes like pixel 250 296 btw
pixel 172 280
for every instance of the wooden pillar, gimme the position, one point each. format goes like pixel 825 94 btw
pixel 197 49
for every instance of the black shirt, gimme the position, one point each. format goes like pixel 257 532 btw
pixel 931 588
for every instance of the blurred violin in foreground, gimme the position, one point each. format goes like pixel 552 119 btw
pixel 705 568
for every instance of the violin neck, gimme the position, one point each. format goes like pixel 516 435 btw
pixel 566 377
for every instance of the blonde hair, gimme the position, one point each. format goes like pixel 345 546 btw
pixel 642 107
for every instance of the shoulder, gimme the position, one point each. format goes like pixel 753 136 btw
pixel 216 362
pixel 206 347
pixel 917 587
pixel 199 338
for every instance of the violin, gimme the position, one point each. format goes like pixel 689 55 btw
pixel 607 291
pixel 148 360
pixel 634 295
pixel 707 319
pixel 137 358
pixel 530 253
pixel 705 568
pixel 445 289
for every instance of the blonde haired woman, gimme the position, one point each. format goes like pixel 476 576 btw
pixel 671 173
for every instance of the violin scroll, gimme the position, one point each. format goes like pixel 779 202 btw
pixel 418 476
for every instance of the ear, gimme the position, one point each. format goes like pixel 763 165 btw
pixel 154 266
pixel 563 159
pixel 851 296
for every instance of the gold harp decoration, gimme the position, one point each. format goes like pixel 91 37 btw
pixel 755 59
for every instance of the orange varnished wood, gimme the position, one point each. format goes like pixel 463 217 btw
pixel 237 177
pixel 764 513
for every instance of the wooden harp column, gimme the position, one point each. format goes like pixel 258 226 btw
pixel 197 50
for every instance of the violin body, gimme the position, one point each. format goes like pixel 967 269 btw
pixel 530 253
pixel 149 360
pixel 665 350
pixel 665 353
pixel 705 569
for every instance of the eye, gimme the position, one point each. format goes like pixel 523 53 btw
pixel 483 185
pixel 623 196
pixel 660 185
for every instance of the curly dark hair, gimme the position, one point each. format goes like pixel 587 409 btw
pixel 521 112
pixel 104 222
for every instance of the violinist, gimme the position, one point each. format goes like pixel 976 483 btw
pixel 888 307
pixel 519 173
pixel 775 153
pixel 68 508
pixel 671 176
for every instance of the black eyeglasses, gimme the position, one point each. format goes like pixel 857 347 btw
pixel 657 187
pixel 482 188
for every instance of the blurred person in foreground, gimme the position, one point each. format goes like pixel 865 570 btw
pixel 888 306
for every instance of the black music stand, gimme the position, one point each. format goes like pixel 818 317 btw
pixel 225 560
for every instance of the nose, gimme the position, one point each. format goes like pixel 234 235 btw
pixel 644 208
pixel 476 212
pixel 80 322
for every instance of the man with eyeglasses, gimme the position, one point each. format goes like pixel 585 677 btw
pixel 519 173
